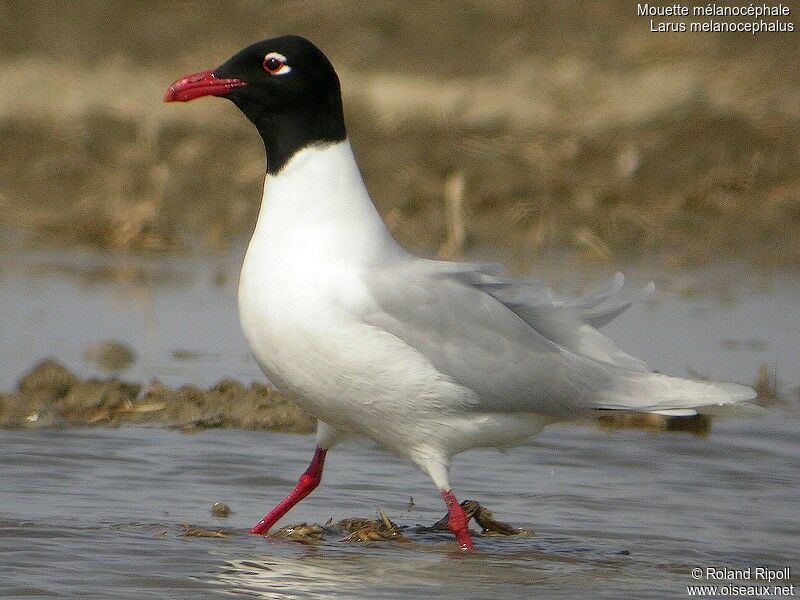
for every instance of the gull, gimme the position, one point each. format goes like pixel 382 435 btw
pixel 428 358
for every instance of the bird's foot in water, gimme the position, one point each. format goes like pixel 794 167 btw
pixel 484 518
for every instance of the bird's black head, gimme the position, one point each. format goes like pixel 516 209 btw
pixel 286 86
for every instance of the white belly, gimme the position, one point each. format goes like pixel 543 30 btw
pixel 363 380
pixel 351 375
pixel 299 295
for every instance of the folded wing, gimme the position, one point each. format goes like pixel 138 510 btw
pixel 523 349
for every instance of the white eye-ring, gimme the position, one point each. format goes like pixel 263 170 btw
pixel 275 64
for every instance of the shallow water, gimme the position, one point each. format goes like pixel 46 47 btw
pixel 97 513
pixel 61 305
pixel 179 314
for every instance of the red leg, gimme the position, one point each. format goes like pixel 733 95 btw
pixel 308 481
pixel 458 522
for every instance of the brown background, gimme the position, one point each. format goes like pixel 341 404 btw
pixel 574 128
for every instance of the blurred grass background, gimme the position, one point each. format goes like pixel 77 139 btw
pixel 533 129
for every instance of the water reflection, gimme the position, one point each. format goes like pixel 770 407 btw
pixel 428 569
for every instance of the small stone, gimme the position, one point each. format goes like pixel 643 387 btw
pixel 220 510
pixel 186 355
pixel 111 355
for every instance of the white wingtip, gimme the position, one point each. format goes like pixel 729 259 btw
pixel 662 394
pixel 676 412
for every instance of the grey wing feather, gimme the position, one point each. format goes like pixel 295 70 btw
pixel 519 347
pixel 474 339
pixel 533 300
pixel 571 324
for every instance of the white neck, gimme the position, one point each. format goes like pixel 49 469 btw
pixel 317 208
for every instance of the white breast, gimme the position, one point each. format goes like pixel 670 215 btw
pixel 317 228
pixel 316 232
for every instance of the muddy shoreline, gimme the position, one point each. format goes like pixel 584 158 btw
pixel 51 396
pixel 587 135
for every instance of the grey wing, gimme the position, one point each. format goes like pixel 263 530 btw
pixel 479 342
pixel 570 324
pixel 521 349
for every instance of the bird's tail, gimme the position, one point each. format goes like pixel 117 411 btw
pixel 675 396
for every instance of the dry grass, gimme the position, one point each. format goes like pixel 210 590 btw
pixel 528 128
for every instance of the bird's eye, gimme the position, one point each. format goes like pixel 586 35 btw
pixel 275 64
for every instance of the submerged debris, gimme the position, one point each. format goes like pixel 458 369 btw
pixel 302 532
pixel 220 510
pixel 186 355
pixel 383 529
pixel 366 530
pixel 111 355
pixel 191 531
